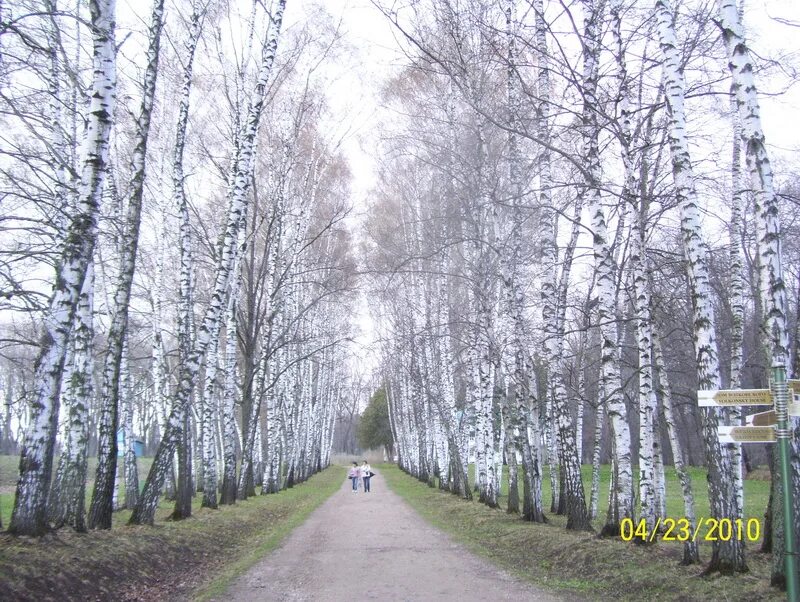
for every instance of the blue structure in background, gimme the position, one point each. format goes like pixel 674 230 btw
pixel 138 445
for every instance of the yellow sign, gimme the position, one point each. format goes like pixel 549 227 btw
pixel 770 417
pixel 746 434
pixel 767 418
pixel 734 397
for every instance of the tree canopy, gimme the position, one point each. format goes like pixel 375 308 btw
pixel 374 429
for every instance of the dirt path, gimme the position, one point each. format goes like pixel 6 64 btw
pixel 373 546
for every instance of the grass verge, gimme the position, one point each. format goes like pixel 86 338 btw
pixel 194 558
pixel 579 564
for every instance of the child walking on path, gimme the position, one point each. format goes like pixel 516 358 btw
pixel 354 474
pixel 366 474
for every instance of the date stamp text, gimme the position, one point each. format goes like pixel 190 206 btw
pixel 681 529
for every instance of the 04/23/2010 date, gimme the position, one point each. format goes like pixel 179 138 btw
pixel 682 529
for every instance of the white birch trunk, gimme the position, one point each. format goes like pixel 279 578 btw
pixel 639 266
pixel 68 494
pixel 207 421
pixel 459 452
pixel 102 507
pixel 131 470
pixel 726 556
pixel 622 499
pixel 735 257
pixel 36 460
pixel 743 89
pixel 647 398
pixel 563 434
pixel 736 286
pixel 517 421
pixel 145 510
pixel 599 419
pixel 229 400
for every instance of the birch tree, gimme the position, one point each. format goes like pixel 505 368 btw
pixel 29 513
pixel 68 492
pixel 691 554
pixel 726 556
pixel 744 91
pixel 181 203
pixel 639 267
pixel 518 422
pixel 101 507
pixel 143 514
pixel 621 501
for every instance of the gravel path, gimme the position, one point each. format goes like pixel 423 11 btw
pixel 373 546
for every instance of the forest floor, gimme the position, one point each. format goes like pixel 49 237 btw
pixel 374 546
pixel 172 560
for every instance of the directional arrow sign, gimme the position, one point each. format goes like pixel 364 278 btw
pixel 734 397
pixel 767 418
pixel 770 417
pixel 746 434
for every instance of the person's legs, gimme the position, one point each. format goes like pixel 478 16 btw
pixel 366 484
pixel 355 483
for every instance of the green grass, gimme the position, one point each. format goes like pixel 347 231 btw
pixel 756 492
pixel 583 564
pixel 191 559
pixel 9 472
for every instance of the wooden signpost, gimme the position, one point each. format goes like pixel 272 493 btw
pixel 772 426
pixel 770 417
pixel 746 434
pixel 760 426
pixel 734 397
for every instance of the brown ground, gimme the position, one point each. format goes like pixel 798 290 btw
pixel 373 546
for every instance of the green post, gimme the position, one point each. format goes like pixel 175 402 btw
pixel 783 433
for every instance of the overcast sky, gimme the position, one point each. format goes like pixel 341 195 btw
pixel 377 54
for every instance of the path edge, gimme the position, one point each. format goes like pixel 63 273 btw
pixel 223 580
